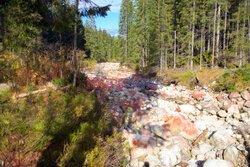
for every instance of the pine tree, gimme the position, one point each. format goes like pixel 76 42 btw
pixel 126 26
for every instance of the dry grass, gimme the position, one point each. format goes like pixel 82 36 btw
pixel 207 76
pixel 187 77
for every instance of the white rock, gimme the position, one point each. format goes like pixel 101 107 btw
pixel 152 160
pixel 200 157
pixel 217 163
pixel 170 157
pixel 192 163
pixel 231 154
pixel 210 155
pixel 199 106
pixel 213 112
pixel 204 148
pixel 245 95
pixel 247 104
pixel 188 108
pixel 222 138
pixel 222 113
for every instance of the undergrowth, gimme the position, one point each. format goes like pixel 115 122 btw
pixel 56 129
pixel 231 81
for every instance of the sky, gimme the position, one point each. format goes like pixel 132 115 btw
pixel 110 23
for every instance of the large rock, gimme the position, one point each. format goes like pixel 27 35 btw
pixel 234 110
pixel 234 95
pixel 222 113
pixel 184 146
pixel 189 109
pixel 231 154
pixel 222 138
pixel 217 163
pixel 158 131
pixel 152 160
pixel 171 156
pixel 247 104
pixel 204 148
pixel 198 95
pixel 178 125
pixel 245 95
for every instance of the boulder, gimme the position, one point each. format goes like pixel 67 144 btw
pixel 234 110
pixel 217 162
pixel 188 108
pixel 245 95
pixel 231 154
pixel 247 104
pixel 178 125
pixel 198 95
pixel 234 95
pixel 222 113
pixel 158 131
pixel 152 160
pixel 204 148
pixel 222 138
pixel 171 156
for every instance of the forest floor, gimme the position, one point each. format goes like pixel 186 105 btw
pixel 174 125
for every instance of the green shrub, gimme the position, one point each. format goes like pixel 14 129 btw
pixel 64 127
pixel 31 87
pixel 233 81
pixel 59 82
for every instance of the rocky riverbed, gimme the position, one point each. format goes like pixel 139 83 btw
pixel 173 125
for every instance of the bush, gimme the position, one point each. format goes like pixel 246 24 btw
pixel 108 153
pixel 59 82
pixel 234 80
pixel 60 128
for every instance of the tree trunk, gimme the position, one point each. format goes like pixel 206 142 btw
pixel 224 39
pixel 237 36
pixel 75 44
pixel 201 48
pixel 248 57
pixel 126 40
pixel 209 39
pixel 189 46
pixel 160 30
pixel 215 11
pixel 218 38
pixel 2 30
pixel 243 34
pixel 192 51
pixel 166 58
pixel 174 49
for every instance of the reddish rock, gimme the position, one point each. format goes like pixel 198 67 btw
pixel 179 125
pixel 234 110
pixel 234 95
pixel 219 97
pixel 198 95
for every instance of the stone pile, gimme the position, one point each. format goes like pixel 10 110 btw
pixel 172 125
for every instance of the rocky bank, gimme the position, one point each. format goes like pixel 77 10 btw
pixel 172 125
